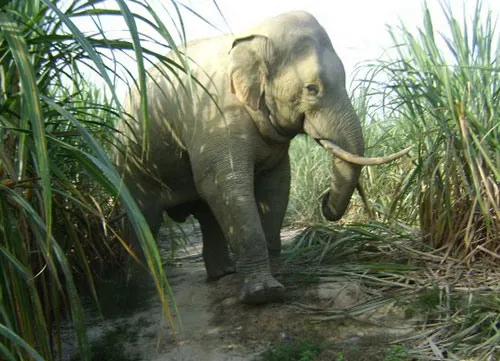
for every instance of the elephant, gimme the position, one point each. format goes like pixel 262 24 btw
pixel 218 139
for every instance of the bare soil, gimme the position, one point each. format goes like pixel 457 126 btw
pixel 213 326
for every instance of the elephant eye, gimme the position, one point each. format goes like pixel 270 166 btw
pixel 312 89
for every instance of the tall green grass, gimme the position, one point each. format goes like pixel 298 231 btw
pixel 441 95
pixel 439 92
pixel 58 186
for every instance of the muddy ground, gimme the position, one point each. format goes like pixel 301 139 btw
pixel 213 326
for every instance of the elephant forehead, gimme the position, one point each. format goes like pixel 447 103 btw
pixel 331 67
pixel 319 66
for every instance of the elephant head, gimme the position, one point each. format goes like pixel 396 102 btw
pixel 290 78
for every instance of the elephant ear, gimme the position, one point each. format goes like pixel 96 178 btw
pixel 248 69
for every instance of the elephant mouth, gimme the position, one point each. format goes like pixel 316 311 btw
pixel 287 132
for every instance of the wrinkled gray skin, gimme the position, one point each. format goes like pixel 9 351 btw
pixel 232 172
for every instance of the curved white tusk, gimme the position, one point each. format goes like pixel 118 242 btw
pixel 360 160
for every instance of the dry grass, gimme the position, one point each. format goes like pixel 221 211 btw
pixel 454 310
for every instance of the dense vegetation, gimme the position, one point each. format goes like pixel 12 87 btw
pixel 439 94
pixel 58 187
pixel 59 190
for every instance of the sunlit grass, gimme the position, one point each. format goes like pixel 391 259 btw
pixel 445 90
pixel 439 93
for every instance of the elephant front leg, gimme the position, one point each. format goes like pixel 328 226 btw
pixel 230 195
pixel 259 286
pixel 271 192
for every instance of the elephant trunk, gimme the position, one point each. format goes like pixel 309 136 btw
pixel 342 127
pixel 344 181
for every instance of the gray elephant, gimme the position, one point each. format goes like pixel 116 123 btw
pixel 218 144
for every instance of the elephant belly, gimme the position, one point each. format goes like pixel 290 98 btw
pixel 177 180
pixel 165 177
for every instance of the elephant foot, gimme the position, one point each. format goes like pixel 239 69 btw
pixel 261 289
pixel 214 273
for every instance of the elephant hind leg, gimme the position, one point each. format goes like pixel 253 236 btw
pixel 218 262
pixel 153 214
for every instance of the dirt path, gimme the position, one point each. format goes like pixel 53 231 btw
pixel 216 327
pixel 202 336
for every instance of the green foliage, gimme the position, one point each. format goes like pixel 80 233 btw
pixel 292 351
pixel 396 353
pixel 393 353
pixel 440 94
pixel 58 186
pixel 429 299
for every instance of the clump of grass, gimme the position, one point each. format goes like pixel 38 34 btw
pixel 456 323
pixel 396 353
pixel 382 352
pixel 440 93
pixel 333 245
pixel 378 351
pixel 453 309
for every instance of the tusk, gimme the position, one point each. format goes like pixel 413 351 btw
pixel 360 160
